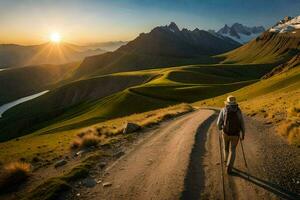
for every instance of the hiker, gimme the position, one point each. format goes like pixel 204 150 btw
pixel 231 121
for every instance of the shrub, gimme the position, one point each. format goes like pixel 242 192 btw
pixel 14 174
pixel 294 111
pixel 291 130
pixel 88 140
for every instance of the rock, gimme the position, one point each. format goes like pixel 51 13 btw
pixel 131 127
pixel 79 153
pixel 78 194
pixel 60 163
pixel 99 181
pixel 107 184
pixel 102 164
pixel 89 182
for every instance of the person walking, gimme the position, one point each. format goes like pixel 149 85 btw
pixel 231 122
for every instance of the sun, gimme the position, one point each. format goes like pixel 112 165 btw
pixel 55 37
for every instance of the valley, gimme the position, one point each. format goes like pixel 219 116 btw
pixel 170 84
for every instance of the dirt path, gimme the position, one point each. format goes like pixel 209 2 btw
pixel 181 160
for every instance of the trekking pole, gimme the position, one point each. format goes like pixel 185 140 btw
pixel 244 158
pixel 222 174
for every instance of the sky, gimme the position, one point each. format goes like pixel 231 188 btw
pixel 88 21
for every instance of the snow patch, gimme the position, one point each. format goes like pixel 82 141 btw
pixel 288 26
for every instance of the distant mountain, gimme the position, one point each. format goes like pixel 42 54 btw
pixel 241 33
pixel 277 45
pixel 13 55
pixel 162 46
pixel 288 24
pixel 170 41
pixel 108 46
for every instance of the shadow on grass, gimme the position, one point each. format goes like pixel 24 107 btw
pixel 271 187
pixel 194 180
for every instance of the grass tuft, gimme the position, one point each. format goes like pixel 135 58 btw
pixel 88 140
pixel 13 175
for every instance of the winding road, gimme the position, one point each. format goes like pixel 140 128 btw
pixel 181 160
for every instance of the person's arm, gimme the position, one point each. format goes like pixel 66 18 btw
pixel 242 124
pixel 220 121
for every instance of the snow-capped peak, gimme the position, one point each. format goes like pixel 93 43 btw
pixel 241 33
pixel 288 24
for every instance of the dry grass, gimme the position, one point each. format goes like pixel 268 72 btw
pixel 108 131
pixel 14 174
pixel 291 130
pixel 86 141
pixel 145 120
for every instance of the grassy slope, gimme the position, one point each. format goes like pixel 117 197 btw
pixel 171 86
pixel 29 115
pixel 275 99
pixel 267 48
pixel 49 146
pixel 114 62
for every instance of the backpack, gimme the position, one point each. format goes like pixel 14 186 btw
pixel 232 124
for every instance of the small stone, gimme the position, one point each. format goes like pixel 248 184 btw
pixel 78 194
pixel 102 164
pixel 79 153
pixel 107 184
pixel 60 163
pixel 99 181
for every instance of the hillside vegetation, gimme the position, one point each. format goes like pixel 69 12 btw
pixel 53 146
pixel 276 100
pixel 86 102
pixel 267 48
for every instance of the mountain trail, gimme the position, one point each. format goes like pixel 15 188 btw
pixel 181 160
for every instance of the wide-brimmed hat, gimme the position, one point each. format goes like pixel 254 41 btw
pixel 231 100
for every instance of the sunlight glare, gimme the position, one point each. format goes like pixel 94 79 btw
pixel 55 37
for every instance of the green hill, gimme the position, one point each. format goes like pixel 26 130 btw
pixel 267 48
pixel 84 102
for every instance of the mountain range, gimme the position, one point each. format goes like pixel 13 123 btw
pixel 13 55
pixel 241 33
pixel 162 46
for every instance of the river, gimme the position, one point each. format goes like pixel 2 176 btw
pixel 9 105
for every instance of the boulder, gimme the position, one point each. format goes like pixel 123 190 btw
pixel 131 127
